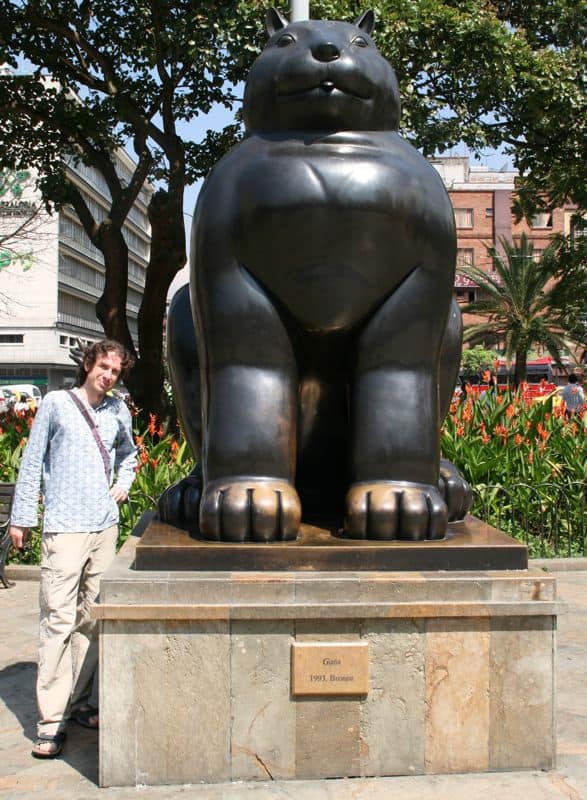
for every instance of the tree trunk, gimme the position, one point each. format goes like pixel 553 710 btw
pixel 111 307
pixel 167 258
pixel 520 369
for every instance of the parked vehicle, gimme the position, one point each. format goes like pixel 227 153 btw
pixel 26 395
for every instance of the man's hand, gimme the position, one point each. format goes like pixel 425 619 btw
pixel 118 494
pixel 19 536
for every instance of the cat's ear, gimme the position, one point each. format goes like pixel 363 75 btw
pixel 366 22
pixel 274 21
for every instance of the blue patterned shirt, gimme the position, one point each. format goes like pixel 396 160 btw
pixel 62 454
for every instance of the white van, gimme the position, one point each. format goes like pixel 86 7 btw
pixel 22 393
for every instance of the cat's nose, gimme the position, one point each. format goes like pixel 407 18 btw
pixel 325 51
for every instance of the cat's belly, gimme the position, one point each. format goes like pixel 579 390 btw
pixel 330 238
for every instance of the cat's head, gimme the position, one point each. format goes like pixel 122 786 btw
pixel 321 75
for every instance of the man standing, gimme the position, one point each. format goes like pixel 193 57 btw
pixel 573 396
pixel 78 441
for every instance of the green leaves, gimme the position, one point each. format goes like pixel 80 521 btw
pixel 521 303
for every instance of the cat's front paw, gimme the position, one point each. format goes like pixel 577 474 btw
pixel 395 510
pixel 250 510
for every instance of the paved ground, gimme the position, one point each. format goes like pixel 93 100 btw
pixel 74 774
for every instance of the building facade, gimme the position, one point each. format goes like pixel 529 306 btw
pixel 51 275
pixel 482 201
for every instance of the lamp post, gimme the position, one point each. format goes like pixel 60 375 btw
pixel 299 9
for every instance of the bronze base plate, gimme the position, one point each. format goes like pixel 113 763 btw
pixel 468 545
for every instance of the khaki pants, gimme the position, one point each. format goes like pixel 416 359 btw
pixel 71 567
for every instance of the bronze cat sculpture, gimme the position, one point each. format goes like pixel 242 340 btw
pixel 324 347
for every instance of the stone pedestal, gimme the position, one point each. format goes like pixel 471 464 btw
pixel 196 674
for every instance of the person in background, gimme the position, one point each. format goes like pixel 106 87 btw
pixel 573 396
pixel 82 454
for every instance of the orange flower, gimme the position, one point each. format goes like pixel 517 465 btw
pixel 29 422
pixel 530 457
pixel 23 442
pixel 460 430
pixel 152 424
pixel 144 457
pixel 542 432
pixel 154 462
pixel 518 439
pixel 174 446
pixel 510 411
pixel 485 439
pixel 468 411
pixel 499 399
pixel 139 440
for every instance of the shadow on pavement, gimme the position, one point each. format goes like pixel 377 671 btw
pixel 17 691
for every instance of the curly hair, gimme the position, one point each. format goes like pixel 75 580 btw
pixel 102 348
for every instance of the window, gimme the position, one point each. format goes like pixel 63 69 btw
pixel 579 227
pixel 11 338
pixel 488 212
pixel 465 257
pixel 77 311
pixel 464 217
pixel 542 220
pixel 465 295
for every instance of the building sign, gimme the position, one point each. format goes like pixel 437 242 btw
pixel 17 208
pixel 12 183
pixel 23 260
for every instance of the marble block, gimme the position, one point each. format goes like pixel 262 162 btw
pixel 196 682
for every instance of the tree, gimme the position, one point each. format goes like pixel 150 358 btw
pixel 506 74
pixel 475 360
pixel 105 77
pixel 520 303
pixel 489 74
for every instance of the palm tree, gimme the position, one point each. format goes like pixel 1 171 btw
pixel 518 304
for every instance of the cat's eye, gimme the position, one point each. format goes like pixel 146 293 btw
pixel 285 40
pixel 360 41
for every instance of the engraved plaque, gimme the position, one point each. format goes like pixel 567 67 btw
pixel 335 668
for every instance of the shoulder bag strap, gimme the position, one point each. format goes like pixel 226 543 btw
pixel 95 432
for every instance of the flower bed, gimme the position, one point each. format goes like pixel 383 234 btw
pixel 526 461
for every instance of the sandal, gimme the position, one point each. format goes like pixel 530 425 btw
pixel 39 751
pixel 87 716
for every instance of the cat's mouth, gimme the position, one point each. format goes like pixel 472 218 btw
pixel 325 88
